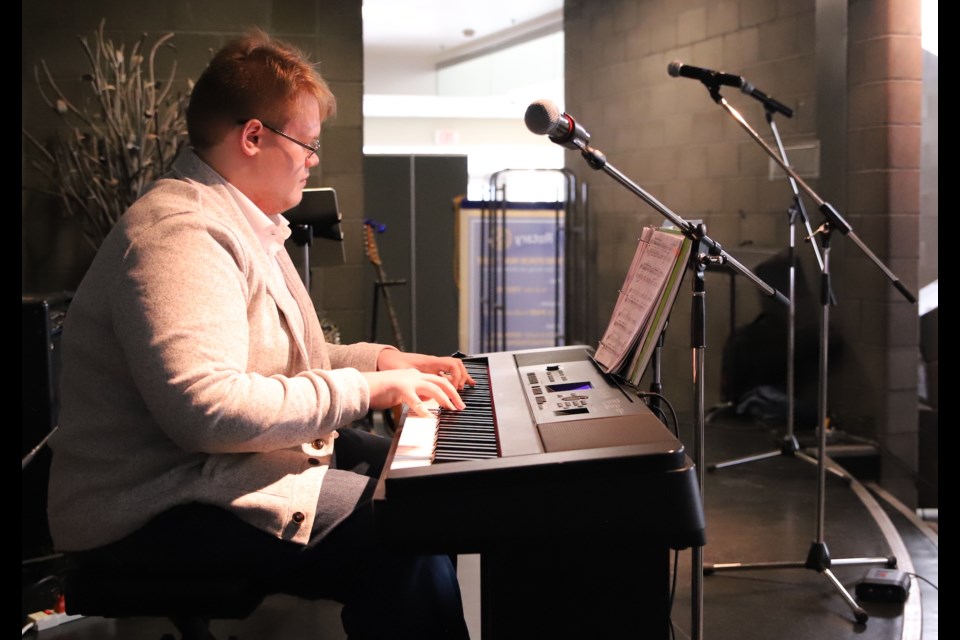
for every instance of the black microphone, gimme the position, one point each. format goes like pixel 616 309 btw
pixel 708 77
pixel 767 101
pixel 544 118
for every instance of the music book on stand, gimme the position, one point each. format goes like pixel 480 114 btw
pixel 644 303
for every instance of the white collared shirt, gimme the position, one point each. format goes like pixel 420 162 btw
pixel 272 230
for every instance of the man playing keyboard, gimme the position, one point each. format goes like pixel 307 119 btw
pixel 200 402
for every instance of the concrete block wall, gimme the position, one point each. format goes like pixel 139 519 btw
pixel 676 143
pixel 53 257
pixel 851 73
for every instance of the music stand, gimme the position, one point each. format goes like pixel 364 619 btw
pixel 317 216
pixel 656 386
pixel 818 556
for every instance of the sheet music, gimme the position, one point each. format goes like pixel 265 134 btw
pixel 620 334
pixel 658 317
pixel 652 264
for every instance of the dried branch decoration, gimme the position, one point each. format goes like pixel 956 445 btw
pixel 125 136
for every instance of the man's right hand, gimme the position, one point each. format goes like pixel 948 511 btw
pixel 410 386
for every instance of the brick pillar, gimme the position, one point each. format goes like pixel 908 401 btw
pixel 877 390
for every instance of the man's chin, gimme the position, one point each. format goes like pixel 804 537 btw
pixel 294 202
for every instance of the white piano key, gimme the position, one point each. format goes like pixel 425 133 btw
pixel 417 441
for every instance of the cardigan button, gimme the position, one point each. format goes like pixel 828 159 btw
pixel 298 517
pixel 313 462
pixel 318 444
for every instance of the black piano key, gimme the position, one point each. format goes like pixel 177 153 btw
pixel 459 454
pixel 461 457
pixel 471 433
pixel 465 446
pixel 473 428
pixel 467 435
pixel 464 437
pixel 466 442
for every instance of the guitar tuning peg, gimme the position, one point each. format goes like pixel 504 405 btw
pixel 379 227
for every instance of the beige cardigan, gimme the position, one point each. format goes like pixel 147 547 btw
pixel 182 381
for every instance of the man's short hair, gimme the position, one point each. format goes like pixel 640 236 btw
pixel 253 76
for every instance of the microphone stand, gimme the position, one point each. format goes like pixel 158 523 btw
pixel 656 386
pixel 704 251
pixel 789 446
pixel 818 556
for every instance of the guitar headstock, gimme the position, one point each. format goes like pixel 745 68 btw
pixel 370 241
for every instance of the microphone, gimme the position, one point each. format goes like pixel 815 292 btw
pixel 708 77
pixel 544 118
pixel 714 79
pixel 767 101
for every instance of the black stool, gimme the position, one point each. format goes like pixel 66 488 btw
pixel 189 602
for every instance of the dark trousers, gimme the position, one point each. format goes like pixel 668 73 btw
pixel 386 594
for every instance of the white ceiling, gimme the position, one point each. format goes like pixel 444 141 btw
pixel 459 58
pixel 443 27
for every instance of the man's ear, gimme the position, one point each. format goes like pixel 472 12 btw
pixel 250 137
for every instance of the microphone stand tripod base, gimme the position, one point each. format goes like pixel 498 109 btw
pixel 818 559
pixel 789 446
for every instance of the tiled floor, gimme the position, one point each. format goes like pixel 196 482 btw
pixel 758 512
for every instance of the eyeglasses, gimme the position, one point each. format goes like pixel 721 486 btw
pixel 312 147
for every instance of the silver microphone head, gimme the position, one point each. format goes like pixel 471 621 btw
pixel 542 117
pixel 674 68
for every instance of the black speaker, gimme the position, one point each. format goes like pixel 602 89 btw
pixel 41 325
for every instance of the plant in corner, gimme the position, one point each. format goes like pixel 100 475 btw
pixel 124 134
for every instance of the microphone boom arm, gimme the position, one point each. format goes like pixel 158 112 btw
pixel 597 160
pixel 834 219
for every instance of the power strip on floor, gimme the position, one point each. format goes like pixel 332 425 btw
pixel 884 585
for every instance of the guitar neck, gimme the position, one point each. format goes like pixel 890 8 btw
pixel 374 254
pixel 391 311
